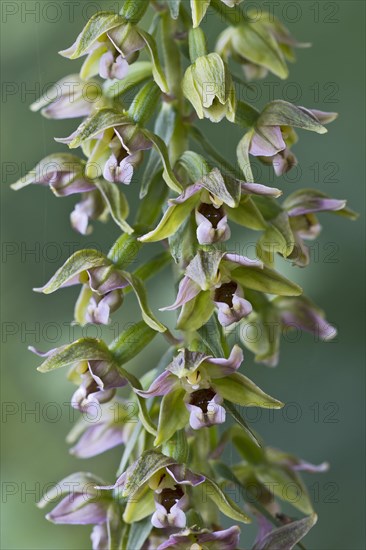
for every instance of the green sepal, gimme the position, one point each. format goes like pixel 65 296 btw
pixel 85 479
pixel 140 506
pixel 213 337
pixel 257 45
pixel 199 8
pixel 158 73
pixel 168 173
pixel 204 267
pixel 195 165
pixel 76 264
pixel 97 123
pixel 287 536
pixel 265 280
pixel 170 423
pixel 227 190
pixel 90 67
pixel 177 447
pixel 144 468
pixel 84 349
pixel 247 214
pixel 82 304
pixel 64 162
pixel 172 219
pixel 54 92
pixel 238 389
pixel 183 243
pixel 242 153
pixel 278 480
pixel 245 115
pixel 278 236
pixel 224 503
pixel 139 289
pixel 116 202
pixel 131 341
pixel 97 25
pixel 196 312
pixel 283 113
pixel 305 198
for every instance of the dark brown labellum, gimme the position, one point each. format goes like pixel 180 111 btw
pixel 212 214
pixel 169 497
pixel 225 293
pixel 201 398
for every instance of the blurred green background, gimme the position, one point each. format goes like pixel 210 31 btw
pixel 323 383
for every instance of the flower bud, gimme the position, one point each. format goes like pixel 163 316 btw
pixel 207 84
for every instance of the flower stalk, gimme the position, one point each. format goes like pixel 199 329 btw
pixel 175 422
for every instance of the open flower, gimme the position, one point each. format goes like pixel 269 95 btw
pixel 197 384
pixel 197 374
pixel 83 505
pixel 115 151
pixel 273 45
pixel 111 427
pixel 109 43
pixel 92 367
pixel 63 173
pixel 102 291
pixel 125 156
pixel 102 285
pixel 207 84
pixel 212 203
pixel 272 134
pixel 70 97
pixel 227 539
pixel 301 208
pixel 91 207
pixel 160 490
pixel 261 331
pixel 272 142
pixel 210 281
pixel 270 474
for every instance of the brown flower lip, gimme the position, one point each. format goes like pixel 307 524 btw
pixel 225 293
pixel 211 213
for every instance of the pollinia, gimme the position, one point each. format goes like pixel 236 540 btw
pixel 174 485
